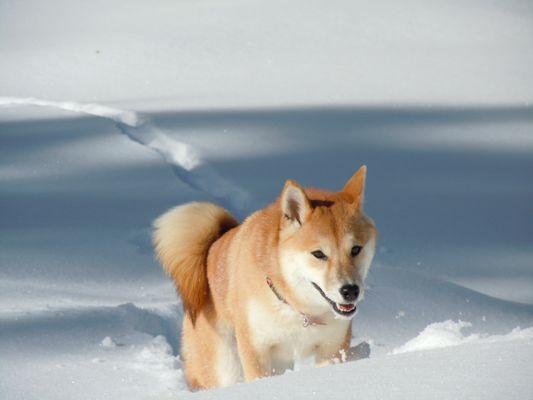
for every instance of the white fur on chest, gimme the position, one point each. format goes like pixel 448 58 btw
pixel 281 332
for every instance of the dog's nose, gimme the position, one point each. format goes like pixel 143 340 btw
pixel 349 292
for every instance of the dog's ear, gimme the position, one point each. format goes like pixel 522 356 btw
pixel 295 205
pixel 354 190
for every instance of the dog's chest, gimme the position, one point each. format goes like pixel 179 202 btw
pixel 283 332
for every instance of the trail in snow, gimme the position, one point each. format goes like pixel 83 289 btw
pixel 185 161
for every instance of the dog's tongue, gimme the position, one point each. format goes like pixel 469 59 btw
pixel 346 307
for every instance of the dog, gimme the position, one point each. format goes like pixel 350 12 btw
pixel 280 287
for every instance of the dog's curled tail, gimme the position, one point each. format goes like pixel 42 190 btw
pixel 182 238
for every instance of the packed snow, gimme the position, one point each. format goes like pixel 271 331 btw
pixel 113 112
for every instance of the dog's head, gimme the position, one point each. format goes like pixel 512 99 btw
pixel 326 245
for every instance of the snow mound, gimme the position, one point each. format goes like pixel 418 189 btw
pixel 108 343
pixel 156 359
pixel 450 333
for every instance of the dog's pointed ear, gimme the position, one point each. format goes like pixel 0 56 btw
pixel 354 190
pixel 295 205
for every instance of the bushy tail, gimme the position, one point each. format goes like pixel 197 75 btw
pixel 182 238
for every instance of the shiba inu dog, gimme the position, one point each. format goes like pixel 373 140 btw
pixel 279 287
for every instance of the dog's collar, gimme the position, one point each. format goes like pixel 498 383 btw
pixel 309 320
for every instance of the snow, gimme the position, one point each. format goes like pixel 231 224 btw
pixel 232 54
pixel 450 333
pixel 125 117
pixel 484 373
pixel 108 342
pixel 111 113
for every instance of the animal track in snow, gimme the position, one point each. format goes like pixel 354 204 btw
pixel 185 161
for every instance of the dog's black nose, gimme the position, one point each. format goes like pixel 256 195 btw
pixel 349 292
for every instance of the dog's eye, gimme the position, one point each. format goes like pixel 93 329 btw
pixel 319 254
pixel 356 250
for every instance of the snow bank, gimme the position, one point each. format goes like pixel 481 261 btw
pixel 450 333
pixel 484 371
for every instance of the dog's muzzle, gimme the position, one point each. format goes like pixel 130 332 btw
pixel 343 309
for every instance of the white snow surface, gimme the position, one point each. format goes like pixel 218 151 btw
pixel 112 112
pixel 227 54
pixel 450 333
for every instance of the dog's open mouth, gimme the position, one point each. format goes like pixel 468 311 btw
pixel 346 309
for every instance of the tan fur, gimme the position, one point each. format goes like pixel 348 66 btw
pixel 182 239
pixel 235 328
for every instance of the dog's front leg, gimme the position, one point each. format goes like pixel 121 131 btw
pixel 256 363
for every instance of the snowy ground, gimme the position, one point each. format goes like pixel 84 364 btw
pixel 235 97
